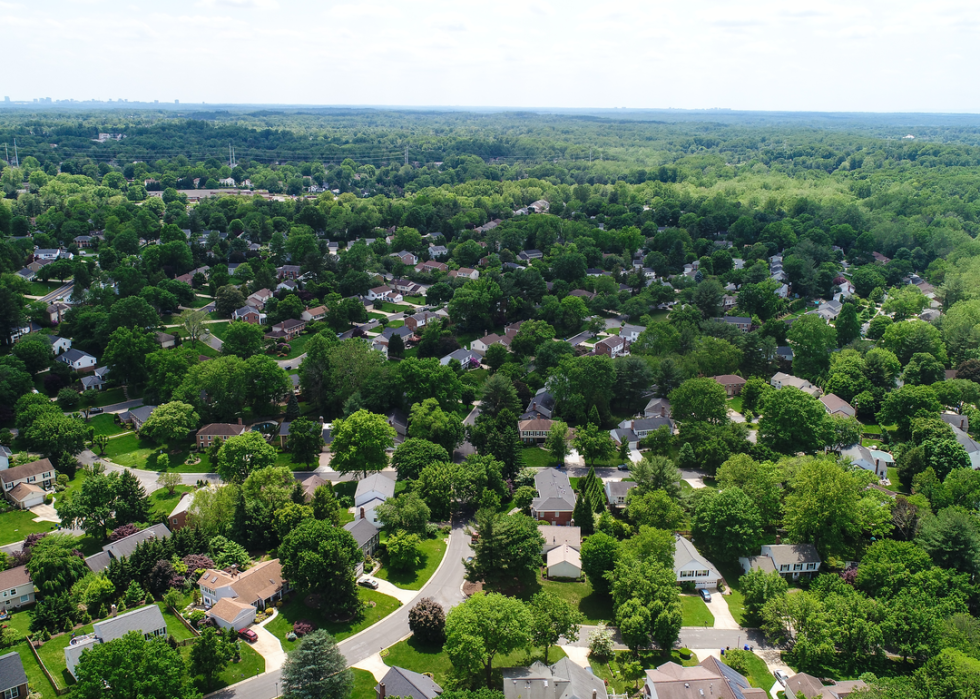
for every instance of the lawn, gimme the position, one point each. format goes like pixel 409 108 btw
pixel 432 552
pixel 597 608
pixel 736 605
pixel 163 502
pixel 218 329
pixel 396 323
pixel 17 524
pixel 53 656
pixel 650 659
pixel 364 683
pixel 295 609
pixel 174 627
pixel 136 452
pixel 397 308
pixel 754 669
pixel 417 300
pixel 201 301
pixel 110 396
pixel 695 612
pixel 36 680
pixel 418 657
pixel 20 623
pixel 896 485
pixel 736 404
pixel 296 346
pixel 43 288
pixel 536 457
pixel 105 424
pixel 252 664
pixel 285 458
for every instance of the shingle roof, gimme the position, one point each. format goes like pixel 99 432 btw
pixel 221 429
pixel 684 553
pixel 125 546
pixel 11 671
pixel 227 609
pixel 400 682
pixel 98 561
pixel 362 531
pixel 14 577
pixel 35 468
pixel 619 489
pixel 377 482
pixel 555 492
pixel 144 620
pixel 555 536
pixel 783 554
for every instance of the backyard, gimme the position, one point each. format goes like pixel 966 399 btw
pixel 134 451
pixel 611 670
pixel 597 608
pixel 296 609
pixel 432 553
pixel 15 525
pixel 163 503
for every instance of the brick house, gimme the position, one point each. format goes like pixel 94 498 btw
pixel 556 499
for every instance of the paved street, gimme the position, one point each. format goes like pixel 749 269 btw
pixel 62 291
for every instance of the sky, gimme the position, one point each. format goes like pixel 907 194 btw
pixel 833 55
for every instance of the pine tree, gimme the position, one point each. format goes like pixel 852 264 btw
pixel 316 668
pixel 594 416
pixel 582 514
pixel 292 408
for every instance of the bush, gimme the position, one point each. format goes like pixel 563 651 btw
pixel 122 532
pixel 303 627
pixel 48 499
pixel 67 399
pixel 427 620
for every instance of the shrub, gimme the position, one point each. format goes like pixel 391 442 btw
pixel 196 617
pixel 427 620
pixel 197 562
pixel 122 532
pixel 303 627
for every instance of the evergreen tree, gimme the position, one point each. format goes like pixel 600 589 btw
pixel 292 408
pixel 582 514
pixel 316 668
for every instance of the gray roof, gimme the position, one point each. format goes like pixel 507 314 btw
pixel 652 423
pixel 11 671
pixel 144 620
pixel 378 482
pixel 737 320
pixel 684 553
pixel 783 554
pixel 620 488
pixel 629 329
pixel 563 680
pixel 555 492
pixel 400 682
pixel 125 546
pixel 98 561
pixel 362 531
pixel 555 536
pixel 143 412
pixel 965 440
pixel 403 331
pixel 73 355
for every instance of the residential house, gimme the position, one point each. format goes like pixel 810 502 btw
pixel 259 586
pixel 837 406
pixel 564 562
pixel 95 381
pixel 960 422
pixel 24 485
pixel 542 404
pixel 124 547
pixel 287 285
pixel 512 329
pixel 740 322
pixel 13 679
pixel 286 330
pixel 869 459
pixel 419 320
pixel 541 206
pixel 178 516
pixel 58 344
pixel 555 537
pixel 316 313
pixel 51 254
pixel 731 383
pixel 465 273
pixel 248 314
pixel 407 258
pixel 229 613
pixel 631 333
pixel 712 679
pixel 785 352
pixel 165 340
pixel 398 420
pixel 829 310
pixel 789 560
pixel 189 277
pixel 528 255
pixel 782 291
pixel 27 274
pixel 84 241
pixel 371 492
pixel 481 345
pixel 780 380
pixel 137 416
pixel 56 312
pixel 147 621
pixel 468 358
pixel 556 499
pixel 259 298
pixel 77 360
pixel 657 407
pixel 806 686
pixel 534 430
pixel 970 444
pixel 437 251
pixel 691 566
pixel 563 680
pixel 632 431
pixel 17 587
pixel 399 682
pixel 582 294
pixel 617 492
pixel 367 536
pixel 880 259
pixel 218 430
pixel 288 272
pixel 612 346
pixel 431 266
pixel 5 454
pixel 728 302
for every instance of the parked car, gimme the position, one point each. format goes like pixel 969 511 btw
pixel 249 635
pixel 623 467
pixel 368 582
pixel 781 677
pixel 705 595
pixel 94 411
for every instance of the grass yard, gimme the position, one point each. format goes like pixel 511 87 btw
pixel 536 457
pixel 174 627
pixel 736 605
pixel 417 300
pixel 419 657
pixel 163 502
pixel 659 316
pixel 135 452
pixel 105 424
pixel 53 656
pixel 36 679
pixel 296 346
pixel 200 301
pixel 695 612
pixel 597 608
pixel 285 458
pixel 364 683
pixel 611 673
pixel 896 485
pixel 19 622
pixel 218 329
pixel 396 323
pixel 17 524
pixel 252 664
pixel 294 610
pixel 752 666
pixel 110 396
pixel 376 316
pixel 397 308
pixel 432 552
pixel 736 404
pixel 43 288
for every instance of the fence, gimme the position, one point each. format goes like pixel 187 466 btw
pixel 57 690
pixel 187 624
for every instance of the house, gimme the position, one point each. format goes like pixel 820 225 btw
pixel 406 257
pixel 785 352
pixel 123 548
pixel 555 537
pixel 437 251
pixel 13 679
pixel 563 680
pixel 836 405
pixel 56 312
pixel 399 682
pixel 731 383
pixel 218 430
pixel 367 537
pixel 728 302
pixel 880 259
pixel 612 346
pixel 286 330
pixel 467 358
pixel 534 430
pixel 431 266
pixel 377 486
pixel 780 380
pixel 740 322
pixel 542 404
pixel 971 446
pixel 58 344
pixel 259 586
pixel 404 332
pixel 17 587
pixel 312 314
pixel 165 340
pixel 829 310
pixel 712 679
pixel 419 320
pixel 556 499
pixel 869 459
pixel 691 566
pixel 147 620
pixel 382 293
pixel 77 359
pixel 511 330
pixel 24 485
pixel 51 254
pixel 564 562
pixel 807 686
pixel 178 516
pixel 465 273
pixel 27 274
pixel 617 492
pixel 137 416
pixel 541 206
pixel 789 560
pixel 632 431
pixel 259 299
pixel 631 333
pixel 229 613
pixel 657 407
pixel 287 285
pixel 582 294
pixel 960 422
pixel 782 291
pixel 288 272
pixel 5 454
pixel 398 420
pixel 482 344
pixel 528 255
pixel 248 314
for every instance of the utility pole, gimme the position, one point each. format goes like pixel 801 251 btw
pixel 6 153
pixel 590 155
pixel 16 159
pixel 231 157
pixel 406 155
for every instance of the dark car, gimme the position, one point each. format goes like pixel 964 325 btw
pixel 249 635
pixel 705 595
pixel 94 411
pixel 623 467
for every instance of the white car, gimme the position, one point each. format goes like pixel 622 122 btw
pixel 781 677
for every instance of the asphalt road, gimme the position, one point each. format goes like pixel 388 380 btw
pixel 63 290
pixel 693 637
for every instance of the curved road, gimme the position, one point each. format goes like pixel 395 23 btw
pixel 444 587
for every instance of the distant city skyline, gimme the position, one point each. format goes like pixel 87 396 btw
pixel 868 56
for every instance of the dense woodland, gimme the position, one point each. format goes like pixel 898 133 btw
pixel 859 206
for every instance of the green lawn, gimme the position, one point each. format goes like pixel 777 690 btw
pixel 17 524
pixel 695 612
pixel 201 301
pixel 396 323
pixel 736 404
pixel 44 288
pixel 417 300
pixel 376 316
pixel 174 627
pixel 754 669
pixel 295 609
pixel 597 608
pixel 105 424
pixel 53 656
pixel 36 679
pixel 218 329
pixel 650 659
pixel 136 452
pixel 161 501
pixel 536 457
pixel 432 552
pixel 896 485
pixel 19 622
pixel 659 316
pixel 736 605
pixel 419 657
pixel 252 664
pixel 364 683
pixel 296 346
pixel 397 308
pixel 110 396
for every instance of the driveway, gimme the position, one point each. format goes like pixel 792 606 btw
pixel 723 615
pixel 45 513
pixel 386 588
pixel 268 646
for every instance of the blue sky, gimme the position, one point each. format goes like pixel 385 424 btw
pixel 862 55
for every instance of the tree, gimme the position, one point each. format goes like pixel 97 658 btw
pixel 699 400
pixel 811 339
pixel 169 480
pixel 54 434
pixel 843 431
pixel 407 512
pixel 360 443
pixel 557 441
pixel 822 507
pixel 131 501
pixel 305 440
pixel 530 336
pixel 170 422
pixel 599 554
pixel 707 297
pixel 761 482
pixel 792 421
pixel 654 472
pixel 91 506
pixel 243 339
pixel 192 322
pixel 727 525
pixel 553 619
pixel 132 666
pixel 496 356
pixel 315 373
pixel 593 443
pixel 905 404
pixel 848 325
pixel 210 654
pixel 634 623
pixel 54 568
pixel 244 454
pixel 126 355
pixel 266 383
pixel 412 455
pixel 584 513
pixel 654 585
pixel 758 587
pixel 427 621
pixel 428 421
pixel 320 558
pixel 227 300
pixel 36 353
pixel 101 441
pixel 316 668
pixel 952 539
pixel 655 509
pixel 67 399
pixel 923 369
pixel 484 626
pixel 404 552
pixel 498 395
pixel 508 551
pixel 904 302
pixel 909 337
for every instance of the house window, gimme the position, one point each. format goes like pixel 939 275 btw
pixel 784 568
pixel 811 566
pixel 11 693
pixel 798 566
pixel 25 598
pixel 687 573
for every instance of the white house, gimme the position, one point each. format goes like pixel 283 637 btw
pixel 631 333
pixel 971 446
pixel 147 620
pixel 691 566
pixel 564 562
pixel 77 359
pixel 229 613
pixel 24 486
pixel 869 459
pixel 260 585
pixel 17 587
pixel 377 485
pixel 781 380
pixel 58 344
pixel 791 560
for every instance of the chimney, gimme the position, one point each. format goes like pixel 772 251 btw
pixel 594 694
pixel 362 513
pixel 239 421
pixel 381 691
